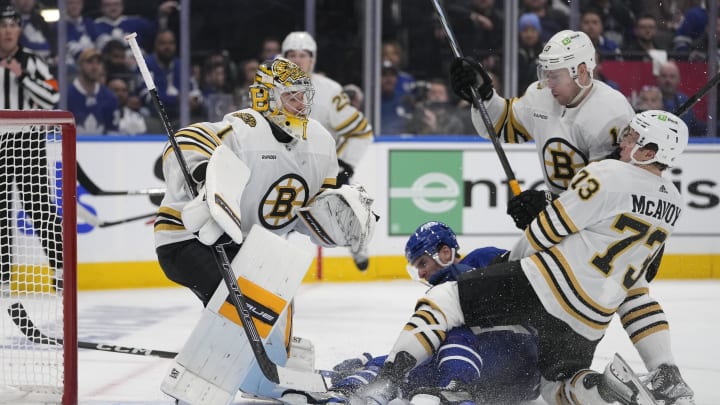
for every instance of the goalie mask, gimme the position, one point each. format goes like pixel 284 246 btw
pixel 661 128
pixel 428 239
pixel 283 94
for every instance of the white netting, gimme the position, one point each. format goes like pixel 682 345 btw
pixel 30 261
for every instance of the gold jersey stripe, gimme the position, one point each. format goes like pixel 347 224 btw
pixel 162 226
pixel 575 285
pixel 652 308
pixel 421 337
pixel 563 216
pixel 502 121
pixel 636 292
pixel 562 300
pixel 347 121
pixel 224 131
pixel 548 230
pixel 516 126
pixel 660 326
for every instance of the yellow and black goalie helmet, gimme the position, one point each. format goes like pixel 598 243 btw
pixel 283 93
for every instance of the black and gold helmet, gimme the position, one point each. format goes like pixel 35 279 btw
pixel 283 93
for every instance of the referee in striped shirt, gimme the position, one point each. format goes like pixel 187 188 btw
pixel 25 83
pixel 25 79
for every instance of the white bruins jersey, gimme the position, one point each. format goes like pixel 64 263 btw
pixel 348 126
pixel 283 176
pixel 567 138
pixel 590 247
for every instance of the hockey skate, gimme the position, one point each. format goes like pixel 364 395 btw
pixel 621 384
pixel 668 386
pixel 455 393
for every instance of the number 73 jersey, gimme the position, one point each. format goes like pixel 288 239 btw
pixel 588 248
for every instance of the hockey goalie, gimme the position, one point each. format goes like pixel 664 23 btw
pixel 260 173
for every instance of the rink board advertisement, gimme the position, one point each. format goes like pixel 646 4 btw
pixel 461 183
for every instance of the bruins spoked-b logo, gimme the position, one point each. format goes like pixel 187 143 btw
pixel 561 161
pixel 276 209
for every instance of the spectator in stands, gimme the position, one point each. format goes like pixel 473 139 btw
pixel 36 34
pixel 669 81
pixel 434 113
pixel 591 24
pixel 692 27
pixel 479 26
pixel 392 51
pixel 394 110
pixel 115 59
pixel 94 105
pixel 80 32
pixel 247 69
pixel 551 19
pixel 114 24
pixel 644 39
pixel 530 48
pixel 599 75
pixel 649 98
pixel 616 17
pixel 662 11
pixel 130 122
pixel 217 98
pixel 269 49
pixel 164 65
pixel 699 48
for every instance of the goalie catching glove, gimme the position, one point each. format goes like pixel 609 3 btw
pixel 341 217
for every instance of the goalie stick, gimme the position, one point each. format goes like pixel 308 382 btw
pixel 478 103
pixel 21 318
pixel 94 189
pixel 279 375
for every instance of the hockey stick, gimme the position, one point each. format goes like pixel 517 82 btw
pixel 94 189
pixel 690 102
pixel 281 376
pixel 22 320
pixel 95 221
pixel 20 317
pixel 477 103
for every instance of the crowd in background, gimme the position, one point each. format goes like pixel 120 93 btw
pixel 230 37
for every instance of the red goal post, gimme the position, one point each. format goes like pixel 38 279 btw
pixel 38 257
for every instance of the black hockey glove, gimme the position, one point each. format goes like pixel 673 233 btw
pixel 501 258
pixel 345 173
pixel 523 208
pixel 466 74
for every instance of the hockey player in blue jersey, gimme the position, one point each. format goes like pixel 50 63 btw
pixel 481 365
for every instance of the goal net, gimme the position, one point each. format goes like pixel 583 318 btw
pixel 37 258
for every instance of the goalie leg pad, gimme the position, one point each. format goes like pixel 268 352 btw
pixel 217 359
pixel 302 354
